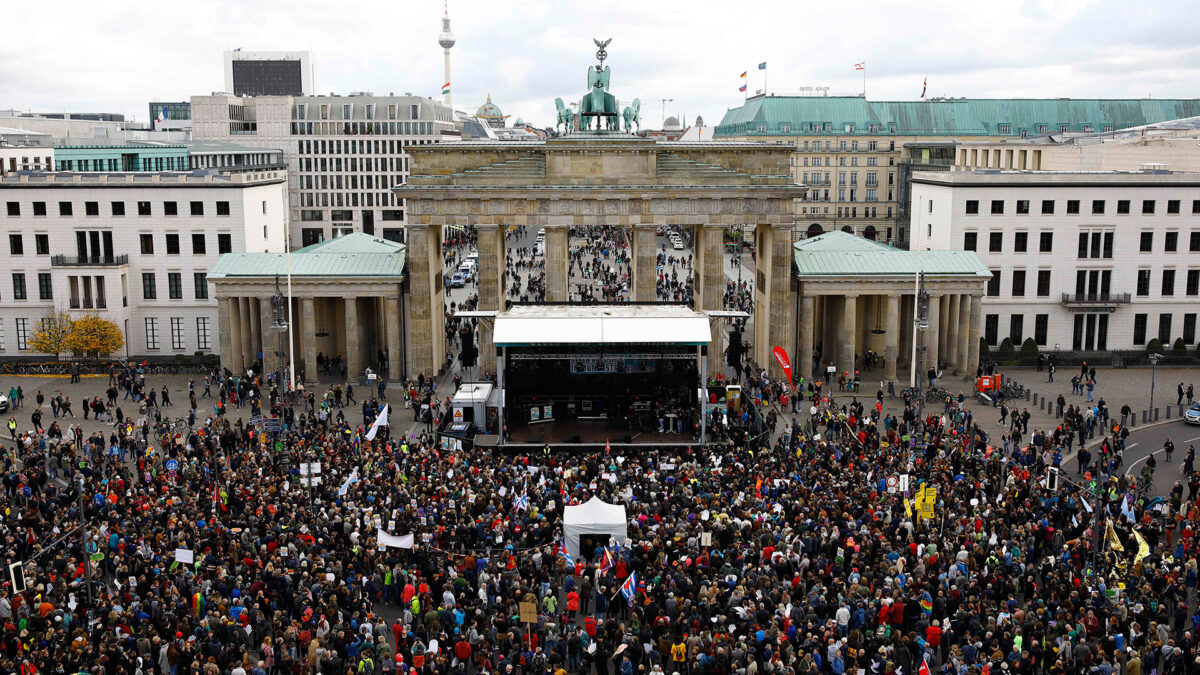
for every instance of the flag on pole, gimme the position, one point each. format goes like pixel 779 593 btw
pixel 1143 548
pixel 743 75
pixel 762 66
pixel 521 502
pixel 606 561
pixel 607 447
pixel 924 86
pixel 742 88
pixel 381 421
pixel 565 554
pixel 924 669
pixel 629 588
pixel 446 88
pixel 350 480
pixel 860 66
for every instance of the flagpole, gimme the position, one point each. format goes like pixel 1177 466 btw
pixel 864 80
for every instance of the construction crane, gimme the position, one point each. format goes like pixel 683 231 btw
pixel 664 102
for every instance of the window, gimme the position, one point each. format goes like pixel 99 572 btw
pixel 143 208
pixel 1122 207
pixel 997 207
pixel 198 244
pixel 1146 242
pixel 39 208
pixel 1072 207
pixel 991 328
pixel 202 333
pixel 1083 244
pixel 170 208
pixel 149 288
pixel 65 209
pixel 1139 329
pixel 1189 328
pixel 995 241
pixel 16 244
pixel 41 243
pixel 1023 206
pixel 1195 206
pixel 1047 207
pixel 1171 242
pixel 1147 206
pixel 147 241
pixel 1018 283
pixel 1005 129
pixel 172 244
pixel 1194 241
pixel 1020 242
pixel 222 209
pixel 200 279
pixel 1108 245
pixel 1040 324
pixel 1043 283
pixel 177 333
pixel 993 287
pixel 972 207
pixel 970 241
pixel 19 286
pixel 1046 242
pixel 151 332
pixel 14 208
pixel 1164 329
pixel 91 208
pixel 1168 283
pixel 1173 206
pixel 1143 282
pixel 1016 328
pixel 1192 285
pixel 118 208
pixel 224 243
pixel 197 208
pixel 45 286
pixel 23 334
pixel 175 285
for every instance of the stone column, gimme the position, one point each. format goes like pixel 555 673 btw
pixel 491 290
pixel 774 311
pixel 425 312
pixel 392 319
pixel 849 334
pixel 353 340
pixel 237 354
pixel 963 322
pixel 892 336
pixel 224 330
pixel 976 327
pixel 558 275
pixel 803 365
pixel 933 333
pixel 268 339
pixel 952 332
pixel 644 258
pixel 708 283
pixel 308 336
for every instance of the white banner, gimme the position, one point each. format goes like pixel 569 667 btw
pixel 381 421
pixel 385 539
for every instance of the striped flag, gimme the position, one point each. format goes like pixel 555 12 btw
pixel 860 66
pixel 743 75
pixel 742 88
pixel 446 88
pixel 606 562
pixel 521 502
pixel 565 555
pixel 629 588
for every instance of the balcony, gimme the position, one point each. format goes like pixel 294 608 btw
pixel 89 261
pixel 87 303
pixel 1108 301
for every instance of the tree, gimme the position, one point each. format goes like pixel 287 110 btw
pixel 53 336
pixel 96 336
pixel 1180 347
pixel 1007 350
pixel 985 350
pixel 1029 349
pixel 1154 347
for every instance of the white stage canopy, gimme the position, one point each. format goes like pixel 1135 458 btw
pixel 594 517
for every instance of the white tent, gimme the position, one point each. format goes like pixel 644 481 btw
pixel 594 517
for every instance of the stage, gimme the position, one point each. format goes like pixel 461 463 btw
pixel 591 432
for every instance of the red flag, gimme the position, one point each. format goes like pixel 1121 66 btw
pixel 782 357
pixel 924 670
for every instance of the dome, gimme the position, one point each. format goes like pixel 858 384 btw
pixel 699 121
pixel 519 123
pixel 490 112
pixel 671 122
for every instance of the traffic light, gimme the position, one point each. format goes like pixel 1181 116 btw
pixel 469 354
pixel 733 356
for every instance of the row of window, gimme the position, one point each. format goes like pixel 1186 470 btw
pixel 1090 331
pixel 1149 206
pixel 178 338
pixel 1092 243
pixel 118 208
pixel 199 243
pixel 357 129
pixel 174 285
pixel 1095 282
pixel 352 147
pixel 1020 242
pixel 1167 283
pixel 1018 283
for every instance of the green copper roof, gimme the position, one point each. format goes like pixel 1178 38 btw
pixel 837 254
pixel 354 255
pixel 807 115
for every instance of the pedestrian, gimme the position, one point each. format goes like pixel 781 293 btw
pixel 1050 371
pixel 1169 449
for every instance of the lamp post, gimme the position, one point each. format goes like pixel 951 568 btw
pixel 920 323
pixel 1153 366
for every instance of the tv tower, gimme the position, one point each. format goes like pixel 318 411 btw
pixel 446 40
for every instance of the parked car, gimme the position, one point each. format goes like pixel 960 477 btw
pixel 1192 415
pixel 3 403
pixel 677 245
pixel 457 281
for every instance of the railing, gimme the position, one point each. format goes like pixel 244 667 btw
pixel 88 261
pixel 1096 298
pixel 76 303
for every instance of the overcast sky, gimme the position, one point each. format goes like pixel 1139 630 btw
pixel 117 56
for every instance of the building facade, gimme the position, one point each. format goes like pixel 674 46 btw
pixel 134 248
pixel 99 155
pixel 343 153
pixel 269 73
pixel 22 150
pixel 1086 261
pixel 170 115
pixel 847 150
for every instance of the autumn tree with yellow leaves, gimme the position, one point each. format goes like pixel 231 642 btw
pixel 95 336
pixel 54 335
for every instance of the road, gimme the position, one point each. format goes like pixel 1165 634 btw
pixel 1149 441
